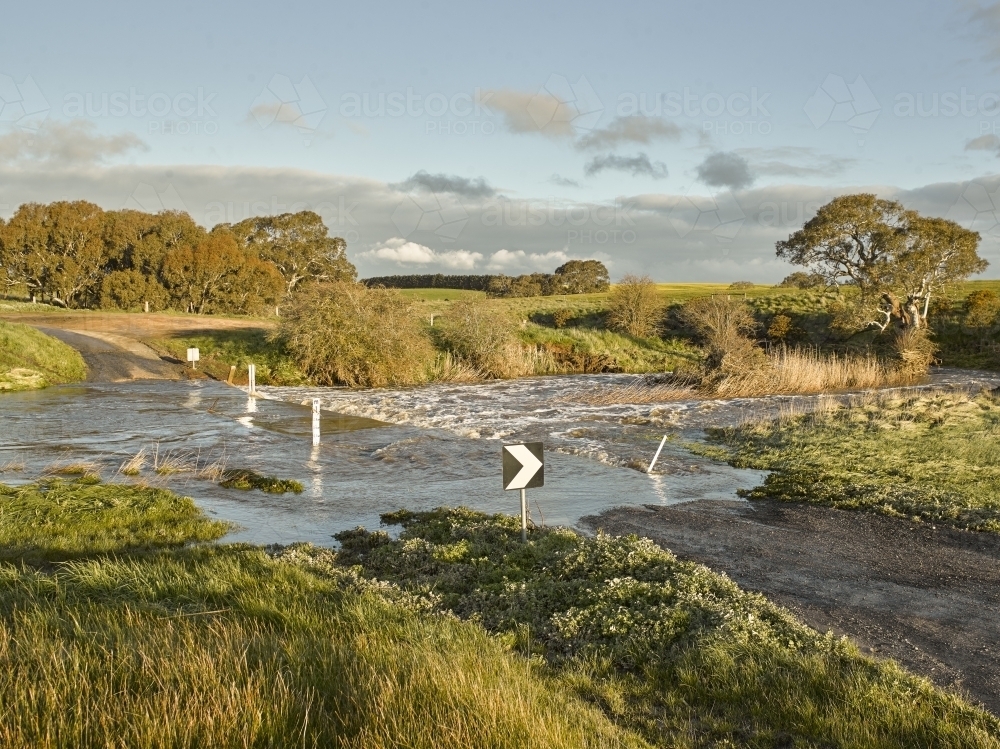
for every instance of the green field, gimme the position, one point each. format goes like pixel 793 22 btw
pixel 929 458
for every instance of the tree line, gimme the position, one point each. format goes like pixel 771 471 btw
pixel 573 277
pixel 76 255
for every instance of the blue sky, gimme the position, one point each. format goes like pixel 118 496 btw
pixel 679 140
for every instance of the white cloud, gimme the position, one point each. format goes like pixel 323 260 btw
pixel 401 252
pixel 65 145
pixel 518 261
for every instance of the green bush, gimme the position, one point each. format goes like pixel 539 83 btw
pixel 635 307
pixel 349 334
pixel 483 334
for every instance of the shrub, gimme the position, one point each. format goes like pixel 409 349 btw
pixel 801 280
pixel 723 324
pixel 347 333
pixel 483 335
pixel 741 285
pixel 561 317
pixel 634 307
pixel 981 308
pixel 914 350
pixel 780 327
pixel 129 290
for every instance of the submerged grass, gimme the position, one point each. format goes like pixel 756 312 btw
pixel 247 479
pixel 667 648
pixel 29 359
pixel 928 457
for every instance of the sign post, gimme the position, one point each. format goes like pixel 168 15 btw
pixel 316 404
pixel 252 378
pixel 523 468
pixel 194 356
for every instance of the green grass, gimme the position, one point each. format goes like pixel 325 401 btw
pixel 223 646
pixel 599 350
pixel 220 349
pixel 30 359
pixel 932 458
pixel 57 519
pixel 456 635
pixel 666 648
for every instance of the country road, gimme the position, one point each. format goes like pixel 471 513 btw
pixel 113 344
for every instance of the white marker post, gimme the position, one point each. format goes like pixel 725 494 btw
pixel 655 457
pixel 252 374
pixel 315 421
pixel 662 442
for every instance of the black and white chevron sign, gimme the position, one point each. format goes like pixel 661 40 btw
pixel 523 466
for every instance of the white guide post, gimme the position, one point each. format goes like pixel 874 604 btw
pixel 252 374
pixel 655 457
pixel 316 404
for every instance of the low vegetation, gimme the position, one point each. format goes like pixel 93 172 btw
pixel 29 359
pixel 455 635
pixel 57 519
pixel 350 334
pixel 247 479
pixel 143 642
pixel 931 457
pixel 666 648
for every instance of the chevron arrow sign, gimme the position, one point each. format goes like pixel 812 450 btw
pixel 523 466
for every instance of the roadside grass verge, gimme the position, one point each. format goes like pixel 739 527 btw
pixel 29 359
pixel 224 646
pixel 221 349
pixel 667 648
pixel 928 457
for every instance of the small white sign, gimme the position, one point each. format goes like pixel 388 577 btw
pixel 194 355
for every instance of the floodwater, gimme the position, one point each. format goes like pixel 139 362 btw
pixel 385 449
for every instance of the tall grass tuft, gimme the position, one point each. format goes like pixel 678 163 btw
pixel 349 334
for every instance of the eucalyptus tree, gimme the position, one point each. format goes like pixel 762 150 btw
pixel 897 259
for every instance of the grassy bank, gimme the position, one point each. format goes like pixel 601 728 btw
pixel 220 349
pixel 932 458
pixel 666 648
pixel 30 359
pixel 456 635
pixel 143 642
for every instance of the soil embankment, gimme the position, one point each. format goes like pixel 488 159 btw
pixel 926 596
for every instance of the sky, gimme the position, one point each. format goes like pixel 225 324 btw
pixel 677 140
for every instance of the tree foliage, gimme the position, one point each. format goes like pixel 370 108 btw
pixel 299 247
pixel 573 277
pixel 896 258
pixel 74 254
